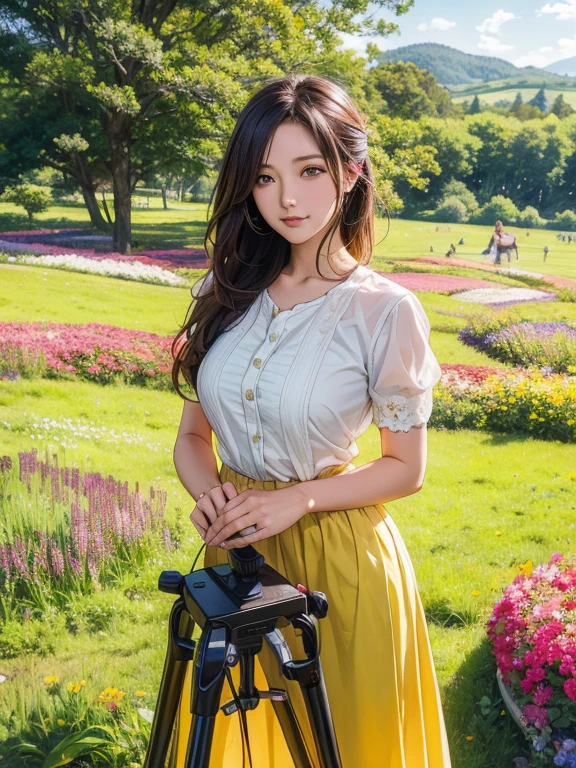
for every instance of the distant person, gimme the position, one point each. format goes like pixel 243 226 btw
pixel 569 239
pixel 545 252
pixel 502 243
pixel 461 241
pixel 431 249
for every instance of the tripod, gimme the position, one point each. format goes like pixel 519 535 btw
pixel 238 606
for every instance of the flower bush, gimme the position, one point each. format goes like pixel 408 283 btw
pixel 60 723
pixel 501 297
pixel 436 283
pixel 45 242
pixel 135 270
pixel 99 353
pixel 65 532
pixel 533 633
pixel 523 342
pixel 510 401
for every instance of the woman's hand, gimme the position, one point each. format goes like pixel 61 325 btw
pixel 270 511
pixel 210 506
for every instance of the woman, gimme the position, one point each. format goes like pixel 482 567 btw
pixel 501 243
pixel 293 349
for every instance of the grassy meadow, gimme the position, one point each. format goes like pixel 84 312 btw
pixel 489 503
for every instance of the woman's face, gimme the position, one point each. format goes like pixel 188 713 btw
pixel 295 181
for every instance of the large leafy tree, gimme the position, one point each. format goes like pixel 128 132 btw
pixel 134 87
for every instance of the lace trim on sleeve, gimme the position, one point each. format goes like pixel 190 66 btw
pixel 399 413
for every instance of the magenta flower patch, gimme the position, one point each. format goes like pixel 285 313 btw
pixel 435 283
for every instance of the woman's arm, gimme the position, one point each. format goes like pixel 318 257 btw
pixel 196 466
pixel 400 472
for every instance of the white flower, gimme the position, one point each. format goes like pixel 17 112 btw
pixel 395 407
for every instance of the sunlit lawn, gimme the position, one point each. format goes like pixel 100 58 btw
pixel 488 504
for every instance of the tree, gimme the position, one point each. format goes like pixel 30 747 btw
pixel 540 101
pixel 161 82
pixel 561 108
pixel 32 198
pixel 475 107
pixel 410 92
pixel 499 208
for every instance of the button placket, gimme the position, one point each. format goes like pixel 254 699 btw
pixel 250 384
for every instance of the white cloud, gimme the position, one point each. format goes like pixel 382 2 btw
pixel 547 54
pixel 440 24
pixel 493 45
pixel 564 11
pixel 492 24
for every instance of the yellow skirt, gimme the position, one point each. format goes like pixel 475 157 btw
pixel 375 649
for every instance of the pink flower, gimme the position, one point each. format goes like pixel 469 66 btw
pixel 570 688
pixel 542 695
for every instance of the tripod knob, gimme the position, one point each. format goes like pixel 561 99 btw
pixel 170 581
pixel 245 561
pixel 316 602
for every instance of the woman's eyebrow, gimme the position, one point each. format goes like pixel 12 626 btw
pixel 296 160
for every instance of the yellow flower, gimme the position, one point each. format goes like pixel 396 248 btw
pixel 511 399
pixel 139 693
pixel 61 722
pixel 503 712
pixel 475 592
pixel 51 680
pixel 533 416
pixel 110 694
pixel 526 568
pixel 498 533
pixel 469 738
pixel 76 687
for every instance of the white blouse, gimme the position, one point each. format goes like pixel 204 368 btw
pixel 289 392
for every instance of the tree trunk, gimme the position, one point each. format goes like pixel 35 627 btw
pixel 181 193
pixel 94 211
pixel 83 178
pixel 164 203
pixel 119 134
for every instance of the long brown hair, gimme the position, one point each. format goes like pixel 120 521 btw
pixel 246 256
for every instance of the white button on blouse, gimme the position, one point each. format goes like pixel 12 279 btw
pixel 288 393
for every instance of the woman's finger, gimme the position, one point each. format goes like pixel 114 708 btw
pixel 235 526
pixel 244 508
pixel 244 541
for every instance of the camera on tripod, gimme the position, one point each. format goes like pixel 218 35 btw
pixel 238 606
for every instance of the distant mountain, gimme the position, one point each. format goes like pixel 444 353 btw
pixel 452 67
pixel 563 67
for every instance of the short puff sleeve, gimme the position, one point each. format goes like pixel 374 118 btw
pixel 402 368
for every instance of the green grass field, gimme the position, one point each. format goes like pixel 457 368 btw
pixel 489 502
pixel 509 94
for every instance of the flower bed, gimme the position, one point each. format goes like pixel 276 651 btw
pixel 436 283
pixel 95 352
pixel 42 242
pixel 63 531
pixel 517 402
pixel 501 297
pixel 533 632
pixel 129 270
pixel 523 342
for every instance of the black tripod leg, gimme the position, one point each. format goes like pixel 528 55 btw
pixel 283 708
pixel 207 681
pixel 308 673
pixel 179 652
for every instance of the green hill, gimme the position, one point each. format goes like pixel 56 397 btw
pixel 454 68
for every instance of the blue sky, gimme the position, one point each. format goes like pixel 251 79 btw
pixel 525 32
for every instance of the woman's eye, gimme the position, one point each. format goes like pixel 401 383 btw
pixel 310 168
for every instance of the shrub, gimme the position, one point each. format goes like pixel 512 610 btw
pixel 458 189
pixel 530 218
pixel 499 207
pixel 32 198
pixel 566 294
pixel 565 220
pixel 451 209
